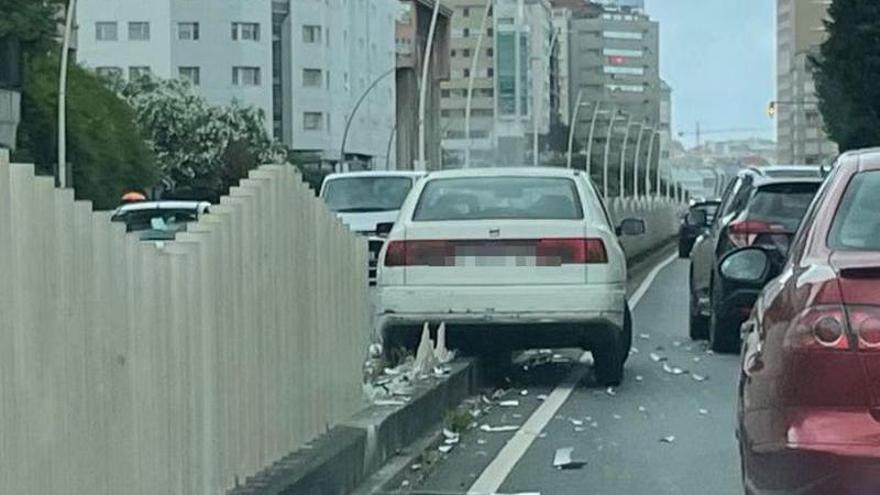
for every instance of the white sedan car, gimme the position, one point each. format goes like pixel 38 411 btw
pixel 508 258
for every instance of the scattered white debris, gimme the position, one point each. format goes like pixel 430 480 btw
pixel 703 412
pixel 542 435
pixel 562 459
pixel 388 402
pixel 576 422
pixel 642 409
pixel 645 336
pixel 594 424
pixel 498 429
pixel 481 441
pixel 523 393
pixel 499 394
pixel 634 350
pixel 688 348
pixel 616 416
pixel 672 370
pixel 375 351
pixel 588 419
pixel 697 359
pixel 517 416
pixel 639 378
pixel 445 449
pixel 668 439
pixel 404 483
pixel 699 378
pixel 610 391
pixel 656 357
pixel 578 429
pixel 441 353
pixel 541 397
pixel 416 467
pixel 450 435
pixel 676 343
pixel 509 403
pixel 710 352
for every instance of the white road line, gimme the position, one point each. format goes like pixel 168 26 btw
pixel 496 472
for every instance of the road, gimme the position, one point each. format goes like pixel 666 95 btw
pixel 617 436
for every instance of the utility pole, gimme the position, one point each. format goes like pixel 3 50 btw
pixel 62 96
pixel 425 82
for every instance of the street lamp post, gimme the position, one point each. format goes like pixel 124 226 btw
pixel 650 159
pixel 589 165
pixel 538 100
pixel 470 90
pixel 573 124
pixel 354 110
pixel 423 92
pixel 62 96
pixel 611 119
pixel 636 161
pixel 622 172
pixel 659 158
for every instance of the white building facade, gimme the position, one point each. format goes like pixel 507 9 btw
pixel 304 63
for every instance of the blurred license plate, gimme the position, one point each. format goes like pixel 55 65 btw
pixel 494 255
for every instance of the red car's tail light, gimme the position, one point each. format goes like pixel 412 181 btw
pixel 547 252
pixel 865 322
pixel 818 327
pixel 744 232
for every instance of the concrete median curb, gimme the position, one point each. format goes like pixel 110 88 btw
pixel 340 460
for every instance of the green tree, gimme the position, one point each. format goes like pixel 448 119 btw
pixel 107 150
pixel 848 67
pixel 33 22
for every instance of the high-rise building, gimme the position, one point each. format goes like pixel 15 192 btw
pixel 615 66
pixel 512 79
pixel 562 98
pixel 304 64
pixel 799 126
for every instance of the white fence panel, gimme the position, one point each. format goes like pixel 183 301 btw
pixel 129 368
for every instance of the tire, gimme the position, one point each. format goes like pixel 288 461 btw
pixel 608 360
pixel 683 251
pixel 699 325
pixel 627 337
pixel 723 337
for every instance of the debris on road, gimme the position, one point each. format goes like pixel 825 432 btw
pixel 576 422
pixel 676 343
pixel 562 459
pixel 523 393
pixel 610 391
pixel 509 403
pixel 657 357
pixel 697 359
pixel 481 441
pixel 541 397
pixel 445 449
pixel 668 439
pixel 389 402
pixel 616 416
pixel 703 412
pixel 639 378
pixel 642 409
pixel 498 429
pixel 634 350
pixel 699 378
pixel 645 336
pixel 416 467
pixel 578 429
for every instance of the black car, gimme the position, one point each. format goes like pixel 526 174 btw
pixel 694 223
pixel 761 207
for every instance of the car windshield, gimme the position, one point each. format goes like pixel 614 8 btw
pixel 782 204
pixel 158 220
pixel 486 198
pixel 857 224
pixel 366 194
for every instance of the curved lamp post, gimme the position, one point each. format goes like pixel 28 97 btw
pixel 470 89
pixel 62 96
pixel 573 124
pixel 648 166
pixel 611 119
pixel 423 93
pixel 638 154
pixel 622 172
pixel 538 100
pixel 355 109
pixel 659 158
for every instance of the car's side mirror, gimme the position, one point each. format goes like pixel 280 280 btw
pixel 631 227
pixel 751 265
pixel 697 218
pixel 384 228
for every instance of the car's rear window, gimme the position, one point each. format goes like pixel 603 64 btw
pixel 490 198
pixel 857 222
pixel 782 204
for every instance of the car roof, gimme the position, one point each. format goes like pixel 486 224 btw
pixel 163 205
pixel 505 171
pixel 783 174
pixel 375 173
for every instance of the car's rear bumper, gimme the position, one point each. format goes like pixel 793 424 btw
pixel 525 316
pixel 809 451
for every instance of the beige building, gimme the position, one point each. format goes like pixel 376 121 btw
pixel 799 125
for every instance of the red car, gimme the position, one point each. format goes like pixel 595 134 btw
pixel 809 394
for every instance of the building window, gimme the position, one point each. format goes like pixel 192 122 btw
pixel 191 74
pixel 312 78
pixel 138 72
pixel 109 72
pixel 245 31
pixel 490 32
pixel 188 31
pixel 452 53
pixel 466 72
pixel 246 76
pixel 466 53
pixel 630 71
pixel 444 93
pixel 106 31
pixel 312 34
pixel 486 92
pixel 465 33
pixel 622 35
pixel 313 121
pixel 618 52
pixel 466 12
pixel 490 72
pixel 490 52
pixel 139 31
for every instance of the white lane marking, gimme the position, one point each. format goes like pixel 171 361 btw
pixel 496 472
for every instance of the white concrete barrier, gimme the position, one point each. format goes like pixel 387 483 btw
pixel 130 369
pixel 660 216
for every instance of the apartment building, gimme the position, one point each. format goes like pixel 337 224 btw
pixel 799 125
pixel 304 63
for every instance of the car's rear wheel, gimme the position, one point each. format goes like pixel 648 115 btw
pixel 683 249
pixel 627 337
pixel 608 359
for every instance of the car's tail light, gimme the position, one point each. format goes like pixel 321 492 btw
pixel 553 252
pixel 865 324
pixel 547 252
pixel 743 233
pixel 819 327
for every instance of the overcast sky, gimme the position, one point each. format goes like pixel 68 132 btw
pixel 719 57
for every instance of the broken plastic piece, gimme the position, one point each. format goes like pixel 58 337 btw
pixel 656 357
pixel 668 439
pixel 498 429
pixel 699 378
pixel 445 449
pixel 562 459
pixel 541 397
pixel 639 378
pixel 610 391
pixel 703 412
pixel 509 403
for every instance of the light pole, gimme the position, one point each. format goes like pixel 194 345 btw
pixel 589 166
pixel 470 89
pixel 573 124
pixel 539 99
pixel 650 159
pixel 636 162
pixel 357 105
pixel 423 91
pixel 62 96
pixel 659 158
pixel 611 119
pixel 622 172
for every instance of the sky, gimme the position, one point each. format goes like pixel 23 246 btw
pixel 719 57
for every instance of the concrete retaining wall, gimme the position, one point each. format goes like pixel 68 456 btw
pixel 131 369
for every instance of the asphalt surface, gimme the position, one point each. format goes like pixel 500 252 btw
pixel 619 437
